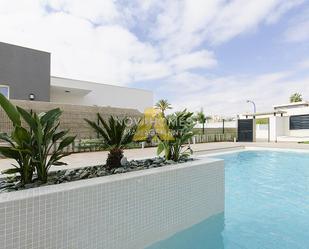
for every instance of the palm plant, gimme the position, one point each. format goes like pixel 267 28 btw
pixel 31 146
pixel 181 124
pixel 296 97
pixel 115 136
pixel 163 105
pixel 201 118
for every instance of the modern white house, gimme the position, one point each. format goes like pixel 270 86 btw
pixel 287 122
pixel 78 92
pixel 25 75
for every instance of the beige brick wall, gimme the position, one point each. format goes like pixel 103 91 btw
pixel 72 117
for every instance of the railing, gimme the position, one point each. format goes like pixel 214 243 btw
pixel 209 138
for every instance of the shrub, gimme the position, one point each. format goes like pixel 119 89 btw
pixel 115 136
pixel 33 146
pixel 48 143
pixel 20 151
pixel 181 124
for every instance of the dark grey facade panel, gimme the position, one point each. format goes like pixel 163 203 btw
pixel 245 130
pixel 25 71
pixel 299 122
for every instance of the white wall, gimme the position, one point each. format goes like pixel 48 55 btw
pixel 262 131
pixel 295 133
pixel 126 211
pixel 282 126
pixel 88 93
pixel 278 127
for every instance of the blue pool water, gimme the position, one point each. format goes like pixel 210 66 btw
pixel 266 206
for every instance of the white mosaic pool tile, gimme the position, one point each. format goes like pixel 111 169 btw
pixel 127 211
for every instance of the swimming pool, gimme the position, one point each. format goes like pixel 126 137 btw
pixel 266 205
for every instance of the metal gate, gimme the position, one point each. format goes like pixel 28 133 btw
pixel 245 130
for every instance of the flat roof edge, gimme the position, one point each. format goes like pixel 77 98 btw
pixel 23 47
pixel 97 83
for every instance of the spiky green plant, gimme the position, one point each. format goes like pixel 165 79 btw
pixel 115 136
pixel 48 142
pixel 33 146
pixel 19 149
pixel 181 124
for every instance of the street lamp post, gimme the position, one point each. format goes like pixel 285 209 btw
pixel 252 102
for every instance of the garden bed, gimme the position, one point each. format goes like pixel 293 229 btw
pixel 10 184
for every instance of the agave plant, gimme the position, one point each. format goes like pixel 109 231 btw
pixel 115 136
pixel 181 124
pixel 34 147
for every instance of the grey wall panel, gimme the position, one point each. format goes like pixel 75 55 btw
pixel 25 71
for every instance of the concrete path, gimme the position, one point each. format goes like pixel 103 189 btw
pixel 94 158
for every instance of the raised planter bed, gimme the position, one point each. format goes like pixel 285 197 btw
pixel 10 184
pixel 130 210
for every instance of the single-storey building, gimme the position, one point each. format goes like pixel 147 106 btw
pixel 25 75
pixel 287 122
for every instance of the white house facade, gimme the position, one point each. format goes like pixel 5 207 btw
pixel 70 91
pixel 25 75
pixel 287 122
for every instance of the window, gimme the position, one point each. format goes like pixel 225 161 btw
pixel 5 90
pixel 299 122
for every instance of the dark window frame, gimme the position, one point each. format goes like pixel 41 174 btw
pixel 8 89
pixel 299 122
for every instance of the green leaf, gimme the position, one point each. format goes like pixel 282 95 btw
pixel 66 142
pixel 59 163
pixel 11 171
pixel 59 135
pixel 9 152
pixel 98 129
pixel 21 135
pixel 27 117
pixel 38 132
pixel 10 110
pixel 160 148
pixel 51 115
pixel 6 138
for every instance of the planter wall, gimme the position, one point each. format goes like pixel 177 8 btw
pixel 131 210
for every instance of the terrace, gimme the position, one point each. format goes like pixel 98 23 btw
pixel 154 124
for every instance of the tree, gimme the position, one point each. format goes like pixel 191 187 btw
pixel 296 97
pixel 163 105
pixel 201 118
pixel 115 136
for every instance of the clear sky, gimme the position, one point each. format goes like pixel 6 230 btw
pixel 214 54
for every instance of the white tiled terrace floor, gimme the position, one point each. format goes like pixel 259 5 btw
pixel 78 160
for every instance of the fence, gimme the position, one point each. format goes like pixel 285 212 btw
pixel 208 138
pixel 88 145
pixel 73 119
